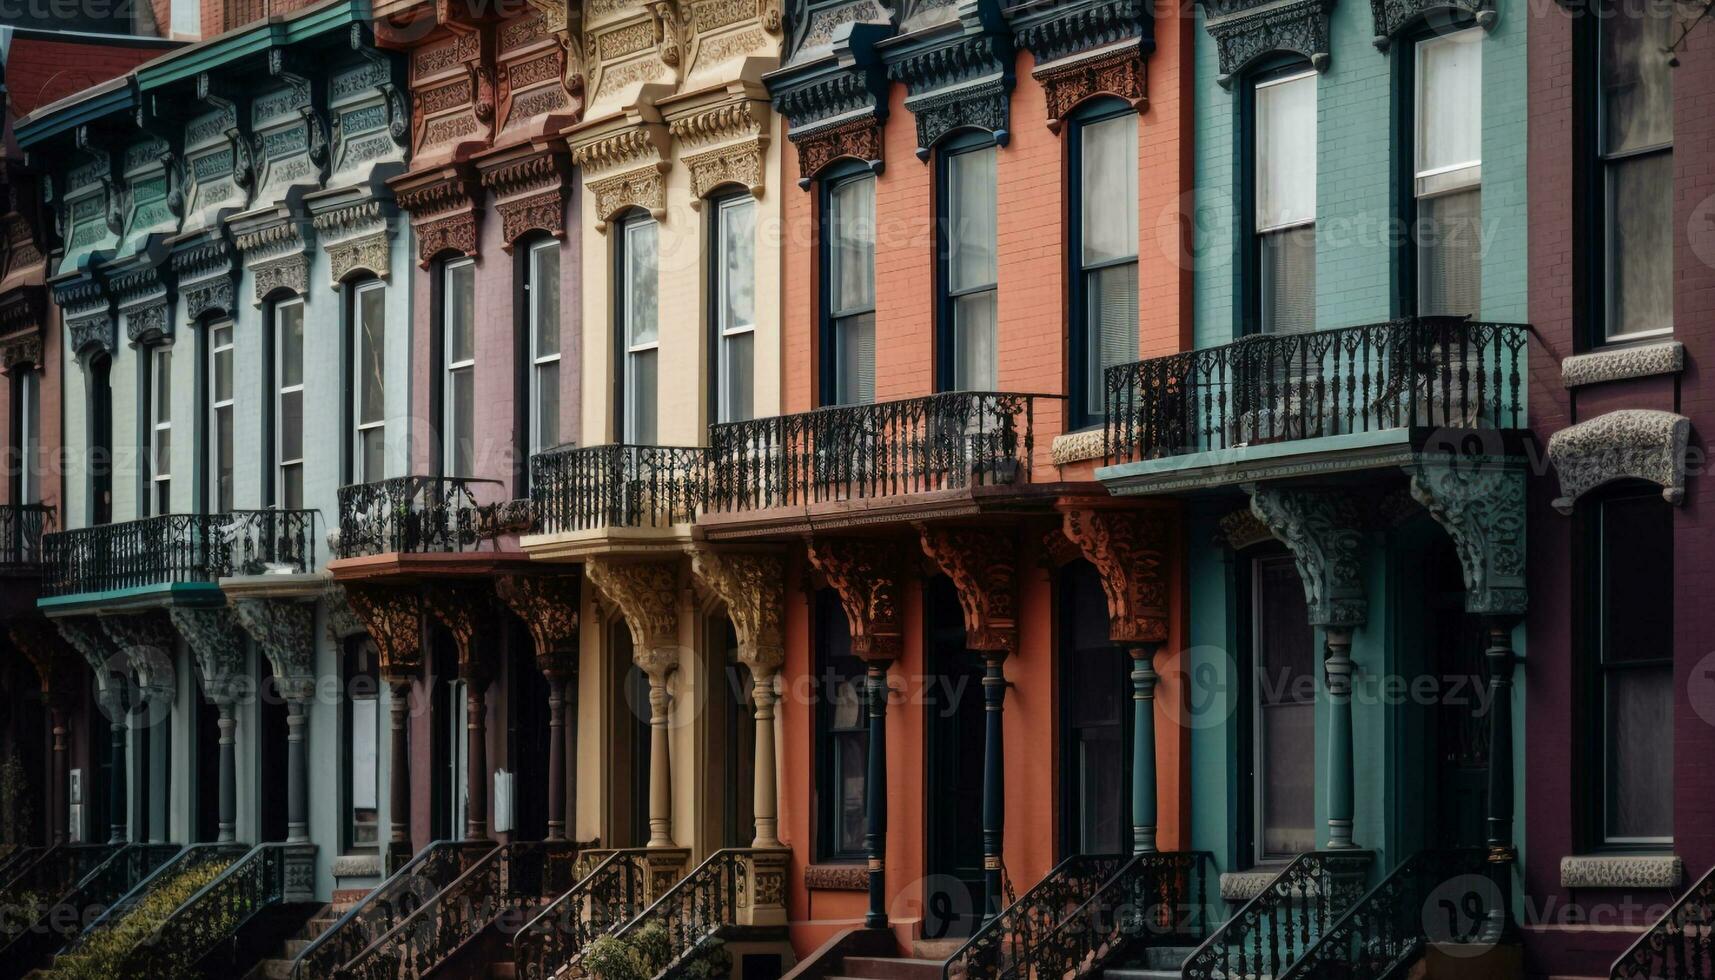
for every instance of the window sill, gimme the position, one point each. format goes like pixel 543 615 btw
pixel 837 877
pixel 1622 363
pixel 357 866
pixel 1621 871
pixel 1242 886
pixel 1075 447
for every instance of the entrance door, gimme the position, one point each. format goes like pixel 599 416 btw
pixel 271 766
pixel 953 746
pixel 527 737
pixel 206 826
pixel 1459 724
pixel 1095 711
pixel 1282 713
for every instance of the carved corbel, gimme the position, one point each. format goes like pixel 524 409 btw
pixel 105 661
pixel 647 596
pixel 549 606
pixel 148 642
pixel 217 648
pixel 865 574
pixel 1629 443
pixel 672 29
pixel 468 614
pixel 342 621
pixel 394 618
pixel 1129 550
pixel 285 632
pixel 1479 501
pixel 113 211
pixel 45 649
pixel 752 584
pixel 286 66
pixel 392 87
pixel 1324 530
pixel 217 93
pixel 980 562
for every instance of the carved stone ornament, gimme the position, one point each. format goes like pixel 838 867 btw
pixel 647 596
pixel 865 574
pixel 1129 550
pixel 148 324
pixel 549 606
pixel 741 164
pixel 467 611
pixel 530 195
pixel 753 586
pixel 394 617
pixel 1245 30
pixel 1324 529
pixel 149 643
pixel 341 620
pixel 22 308
pixel 645 187
pixel 444 213
pixel 855 139
pixel 959 81
pixel 980 563
pixel 1393 16
pixel 357 239
pixel 85 635
pixel 1631 443
pixel 217 648
pixel 1480 503
pixel 97 332
pixel 1241 529
pixel 836 877
pixel 1663 871
pixel 285 631
pixel 21 350
pixel 1622 363
pixel 1119 72
pixel 205 274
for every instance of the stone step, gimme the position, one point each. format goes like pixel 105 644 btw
pixel 935 949
pixel 504 970
pixel 274 969
pixel 890 968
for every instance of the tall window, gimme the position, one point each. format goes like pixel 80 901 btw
pixel 289 404
pixel 1634 635
pixel 1105 301
pixel 1448 172
pixel 969 233
pixel 27 433
pixel 369 382
pixel 99 377
pixel 220 417
pixel 160 436
pixel 735 308
pixel 542 287
pixel 849 378
pixel 458 367
pixel 362 829
pixel 843 741
pixel 1285 139
pixel 1283 712
pixel 1635 129
pixel 638 312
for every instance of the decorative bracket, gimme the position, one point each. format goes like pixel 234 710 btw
pixel 866 576
pixel 1630 443
pixel 647 594
pixel 751 585
pixel 149 642
pixel 1479 500
pixel 342 621
pixel 104 659
pixel 394 617
pixel 1324 530
pixel 215 641
pixel 468 614
pixel 285 630
pixel 549 605
pixel 980 561
pixel 1130 551
pixel 44 648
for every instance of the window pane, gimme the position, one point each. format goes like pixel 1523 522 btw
pixel 461 312
pixel 1450 271
pixel 163 451
pixel 545 297
pixel 462 408
pixel 1288 280
pixel 291 426
pixel 1450 101
pixel 1637 81
pixel 1286 152
pixel 1109 192
pixel 163 384
pixel 640 275
pixel 851 213
pixel 971 219
pixel 641 398
pixel 372 454
pixel 223 367
pixel 738 264
pixel 1640 244
pixel 737 368
pixel 365 729
pixel 1112 296
pixel 32 436
pixel 222 460
pixel 851 761
pixel 371 354
pixel 974 342
pixel 289 321
pixel 1637 579
pixel 1287 764
pixel 1640 753
pixel 854 367
pixel 547 404
pixel 292 487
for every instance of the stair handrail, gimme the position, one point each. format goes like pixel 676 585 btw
pixel 16 861
pixel 503 880
pixel 1383 932
pixel 98 889
pixel 1310 893
pixel 604 899
pixel 1154 896
pixel 1679 944
pixel 404 891
pixel 709 898
pixel 214 913
pixel 49 876
pixel 1004 939
pixel 189 857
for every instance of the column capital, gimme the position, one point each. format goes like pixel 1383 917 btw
pixel 647 595
pixel 549 606
pixel 981 562
pixel 1479 501
pixel 1129 550
pixel 213 635
pixel 865 573
pixel 394 617
pixel 753 586
pixel 1324 530
pixel 284 630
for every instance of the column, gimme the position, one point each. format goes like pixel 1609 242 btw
pixel 660 764
pixel 994 784
pixel 398 772
pixel 297 773
pixel 875 796
pixel 1143 801
pixel 765 795
pixel 1337 669
pixel 228 774
pixel 59 799
pixel 116 770
pixel 556 755
pixel 476 772
pixel 1498 923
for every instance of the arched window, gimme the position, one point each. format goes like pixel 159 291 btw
pixel 732 307
pixel 848 290
pixel 1102 144
pixel 637 310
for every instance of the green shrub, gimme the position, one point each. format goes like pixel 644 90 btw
pixel 645 953
pixel 104 953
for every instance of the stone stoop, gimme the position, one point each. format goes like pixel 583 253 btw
pixel 1460 961
pixel 280 967
pixel 886 968
pixel 1159 963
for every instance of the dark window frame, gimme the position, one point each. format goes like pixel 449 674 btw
pixel 967 141
pixel 621 342
pixel 827 613
pixel 98 377
pixel 1079 383
pixel 351 290
pixel 524 355
pixel 18 461
pixel 836 176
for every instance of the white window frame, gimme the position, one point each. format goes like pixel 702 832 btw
pixel 29 450
pixel 360 428
pixel 451 368
pixel 160 470
pixel 729 331
pixel 281 463
pixel 630 433
pixel 1467 174
pixel 1262 229
pixel 218 405
pixel 538 360
pixel 839 317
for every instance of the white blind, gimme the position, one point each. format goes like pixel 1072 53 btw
pixel 971 216
pixel 1286 152
pixel 1109 152
pixel 1637 78
pixel 1449 111
pixel 851 213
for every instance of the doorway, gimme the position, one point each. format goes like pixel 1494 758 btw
pixel 1095 738
pixel 953 756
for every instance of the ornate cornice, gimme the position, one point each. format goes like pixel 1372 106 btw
pixel 445 207
pixel 645 187
pixel 1129 549
pixel 752 584
pixel 549 606
pixel 366 105
pixel 1480 503
pixel 23 309
pixel 865 574
pixel 724 144
pixel 1393 16
pixel 530 192
pixel 538 70
pixel 1630 443
pixel 341 620
pixel 957 76
pixel 833 90
pixel 980 563
pixel 275 244
pixel 1245 30
pixel 393 616
pixel 358 238
pixel 452 89
pixel 217 647
pixel 647 596
pixel 206 268
pixel 856 139
pixel 21 350
pixel 1053 30
pixel 87 310
pixel 1117 72
pixel 1324 530
pixel 289 128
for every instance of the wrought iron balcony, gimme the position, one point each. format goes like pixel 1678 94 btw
pixel 425 515
pixel 1436 372
pixel 174 549
pixel 21 530
pixel 951 441
pixel 617 486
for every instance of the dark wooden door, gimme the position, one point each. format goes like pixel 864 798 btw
pixel 953 746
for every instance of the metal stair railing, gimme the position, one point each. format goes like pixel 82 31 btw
pixel 608 895
pixel 715 894
pixel 50 875
pixel 1269 933
pixel 1154 898
pixel 1680 945
pixel 1006 939
pixel 97 890
pixel 187 859
pixel 255 882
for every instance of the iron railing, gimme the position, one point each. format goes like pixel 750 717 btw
pixel 1152 899
pixel 1005 939
pixel 34 890
pixel 606 897
pixel 188 859
pixel 616 486
pixel 509 879
pixel 951 441
pixel 404 892
pixel 95 893
pixel 1445 372
pixel 1272 931
pixel 1432 896
pixel 21 530
pixel 16 860
pixel 426 515
pixel 173 549
pixel 252 884
pixel 700 904
pixel 1680 945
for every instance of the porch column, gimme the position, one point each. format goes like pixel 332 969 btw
pixel 1129 548
pixel 113 704
pixel 297 772
pixel 284 630
pixel 1325 530
pixel 59 799
pixel 41 644
pixel 86 636
pixel 398 769
pixel 467 611
pixel 393 618
pixel 865 575
pixel 549 605
pixel 228 774
pixel 1501 661
pixel 147 642
pixel 216 643
pixel 476 773
pixel 751 583
pixel 647 596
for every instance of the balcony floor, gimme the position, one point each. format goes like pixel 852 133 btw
pixel 884 510
pixel 412 566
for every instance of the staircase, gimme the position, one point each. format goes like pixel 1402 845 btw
pixel 1003 941
pixel 218 930
pixel 1155 901
pixel 279 966
pixel 735 887
pixel 1157 963
pixel 1273 931
pixel 885 968
pixel 100 888
pixel 1681 944
pixel 610 892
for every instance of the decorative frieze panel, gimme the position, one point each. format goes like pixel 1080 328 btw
pixel 856 139
pixel 647 596
pixel 24 256
pixel 284 630
pixel 1393 16
pixel 723 32
pixel 217 647
pixel 538 92
pixel 529 192
pixel 153 192
pixel 625 167
pixel 752 584
pixel 958 80
pixel 366 106
pixel 205 268
pixel 138 284
pixel 815 30
pixel 1631 443
pixel 290 141
pixel 276 247
pixel 87 309
pixel 219 170
pixel 1129 549
pixel 1067 84
pixel 1479 500
pixel 549 605
pixel 723 144
pixel 629 46
pixel 87 204
pixel 1245 30
pixel 980 563
pixel 443 205
pixel 865 574
pixel 357 237
pixel 1324 530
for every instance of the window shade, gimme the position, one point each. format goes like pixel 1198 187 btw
pixel 851 213
pixel 971 219
pixel 1450 254
pixel 1288 284
pixel 1109 207
pixel 1286 152
pixel 1449 111
pixel 1637 81
pixel 1112 293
